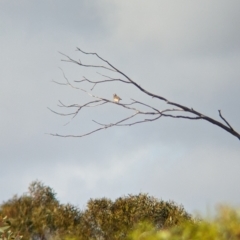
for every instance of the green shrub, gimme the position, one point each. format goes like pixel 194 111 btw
pixel 39 215
pixel 225 226
pixel 106 219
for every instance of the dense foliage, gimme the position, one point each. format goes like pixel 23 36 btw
pixel 225 226
pixel 39 215
pixel 112 220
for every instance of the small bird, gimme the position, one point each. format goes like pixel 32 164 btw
pixel 116 98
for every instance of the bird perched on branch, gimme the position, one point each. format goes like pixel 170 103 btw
pixel 116 98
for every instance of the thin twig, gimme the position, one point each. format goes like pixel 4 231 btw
pixel 220 114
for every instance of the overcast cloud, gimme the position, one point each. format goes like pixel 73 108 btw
pixel 186 51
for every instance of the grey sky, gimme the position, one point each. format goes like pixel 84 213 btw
pixel 186 51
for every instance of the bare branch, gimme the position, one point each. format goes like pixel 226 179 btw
pixel 98 82
pixel 123 74
pixel 61 114
pixel 118 122
pixel 224 119
pixel 85 65
pixel 179 111
pixel 138 122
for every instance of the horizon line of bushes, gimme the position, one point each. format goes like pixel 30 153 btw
pixel 38 215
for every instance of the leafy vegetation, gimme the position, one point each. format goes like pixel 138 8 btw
pixel 5 232
pixel 38 215
pixel 225 226
pixel 112 220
